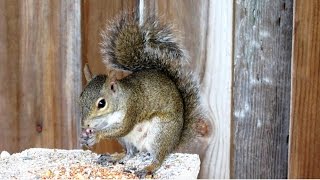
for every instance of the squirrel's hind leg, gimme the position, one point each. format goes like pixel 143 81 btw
pixel 121 158
pixel 161 142
pixel 130 149
pixel 148 170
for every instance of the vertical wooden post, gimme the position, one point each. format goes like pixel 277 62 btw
pixel 261 88
pixel 217 87
pixel 70 66
pixel 9 76
pixel 304 156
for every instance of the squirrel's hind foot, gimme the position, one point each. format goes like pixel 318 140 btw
pixel 142 174
pixel 106 159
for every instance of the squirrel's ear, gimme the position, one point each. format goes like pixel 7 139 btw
pixel 117 74
pixel 87 73
pixel 120 74
pixel 114 75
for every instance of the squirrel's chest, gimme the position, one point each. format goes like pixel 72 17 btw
pixel 143 134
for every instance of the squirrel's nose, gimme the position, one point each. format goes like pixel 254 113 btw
pixel 89 131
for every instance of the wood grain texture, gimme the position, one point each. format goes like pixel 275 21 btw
pixel 304 151
pixel 190 19
pixel 9 89
pixel 206 30
pixel 261 88
pixel 42 65
pixel 95 15
pixel 217 81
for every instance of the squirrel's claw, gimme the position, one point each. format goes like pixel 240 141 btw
pixel 105 159
pixel 125 159
pixel 142 174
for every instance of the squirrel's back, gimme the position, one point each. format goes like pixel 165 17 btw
pixel 133 46
pixel 143 86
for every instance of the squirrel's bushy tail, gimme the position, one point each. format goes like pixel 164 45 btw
pixel 133 46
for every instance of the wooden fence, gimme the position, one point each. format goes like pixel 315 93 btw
pixel 258 62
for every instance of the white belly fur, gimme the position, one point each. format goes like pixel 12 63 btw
pixel 143 134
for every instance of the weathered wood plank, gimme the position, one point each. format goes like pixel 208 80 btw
pixel 206 30
pixel 42 74
pixel 95 15
pixel 261 88
pixel 217 87
pixel 71 72
pixel 304 151
pixel 9 77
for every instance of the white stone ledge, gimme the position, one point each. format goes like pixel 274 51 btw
pixel 38 163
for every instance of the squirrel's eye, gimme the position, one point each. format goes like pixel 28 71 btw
pixel 101 103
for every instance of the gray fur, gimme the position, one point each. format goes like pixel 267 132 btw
pixel 152 45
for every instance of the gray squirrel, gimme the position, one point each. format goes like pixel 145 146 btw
pixel 154 104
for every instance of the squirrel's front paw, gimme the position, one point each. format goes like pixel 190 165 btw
pixel 87 138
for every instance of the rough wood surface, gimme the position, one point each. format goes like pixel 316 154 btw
pixel 261 88
pixel 40 71
pixel 95 15
pixel 206 30
pixel 216 87
pixel 304 151
pixel 9 48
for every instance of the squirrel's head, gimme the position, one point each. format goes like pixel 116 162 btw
pixel 100 104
